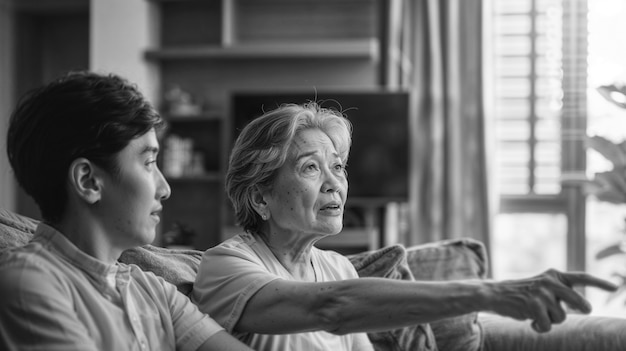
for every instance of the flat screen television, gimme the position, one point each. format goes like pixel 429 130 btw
pixel 378 162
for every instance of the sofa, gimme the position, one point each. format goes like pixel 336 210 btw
pixel 451 259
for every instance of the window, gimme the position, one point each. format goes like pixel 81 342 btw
pixel 528 97
pixel 539 51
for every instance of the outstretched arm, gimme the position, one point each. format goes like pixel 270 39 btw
pixel 370 304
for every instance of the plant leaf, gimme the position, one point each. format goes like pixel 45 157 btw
pixel 615 249
pixel 610 150
pixel 607 186
pixel 613 93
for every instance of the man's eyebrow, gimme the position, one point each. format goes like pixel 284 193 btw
pixel 148 149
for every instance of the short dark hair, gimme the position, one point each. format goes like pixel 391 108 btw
pixel 81 114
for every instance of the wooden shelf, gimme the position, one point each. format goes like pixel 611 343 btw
pixel 203 117
pixel 206 177
pixel 334 49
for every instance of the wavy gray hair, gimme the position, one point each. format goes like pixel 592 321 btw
pixel 262 148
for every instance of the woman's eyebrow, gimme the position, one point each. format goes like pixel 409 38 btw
pixel 313 152
pixel 306 154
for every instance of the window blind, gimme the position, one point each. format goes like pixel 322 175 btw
pixel 528 60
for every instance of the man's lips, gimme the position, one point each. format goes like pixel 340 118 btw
pixel 156 214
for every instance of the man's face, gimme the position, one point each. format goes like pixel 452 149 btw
pixel 131 200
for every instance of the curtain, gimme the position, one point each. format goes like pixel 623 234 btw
pixel 449 189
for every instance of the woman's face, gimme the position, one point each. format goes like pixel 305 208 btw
pixel 309 192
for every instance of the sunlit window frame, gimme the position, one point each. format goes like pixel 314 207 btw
pixel 570 200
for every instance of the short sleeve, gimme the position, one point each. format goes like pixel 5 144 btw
pixel 37 310
pixel 229 275
pixel 191 327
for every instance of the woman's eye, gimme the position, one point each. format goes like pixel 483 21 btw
pixel 311 167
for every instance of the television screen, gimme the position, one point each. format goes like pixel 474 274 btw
pixel 378 162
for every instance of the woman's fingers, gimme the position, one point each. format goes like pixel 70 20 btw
pixel 572 299
pixel 557 313
pixel 583 279
pixel 541 322
pixel 540 298
pixel 567 294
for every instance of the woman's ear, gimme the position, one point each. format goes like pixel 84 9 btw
pixel 259 204
pixel 84 180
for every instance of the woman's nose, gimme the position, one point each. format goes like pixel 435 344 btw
pixel 329 188
pixel 332 183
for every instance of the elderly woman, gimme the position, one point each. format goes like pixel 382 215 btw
pixel 273 289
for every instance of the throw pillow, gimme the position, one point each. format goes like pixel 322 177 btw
pixel 390 262
pixel 452 260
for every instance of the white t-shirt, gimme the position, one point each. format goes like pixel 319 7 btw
pixel 232 272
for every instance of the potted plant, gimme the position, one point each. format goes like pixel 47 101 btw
pixel 610 186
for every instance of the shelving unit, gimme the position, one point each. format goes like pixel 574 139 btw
pixel 211 49
pixel 330 49
pixel 191 162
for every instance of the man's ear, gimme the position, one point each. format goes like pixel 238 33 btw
pixel 85 181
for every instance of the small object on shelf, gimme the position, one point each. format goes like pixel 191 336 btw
pixel 179 235
pixel 180 159
pixel 180 103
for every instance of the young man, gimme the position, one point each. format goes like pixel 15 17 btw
pixel 85 148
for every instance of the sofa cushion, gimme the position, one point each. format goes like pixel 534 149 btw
pixel 448 260
pixel 15 230
pixel 452 260
pixel 177 266
pixel 390 262
pixel 443 260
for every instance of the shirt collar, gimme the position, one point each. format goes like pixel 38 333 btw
pixel 59 244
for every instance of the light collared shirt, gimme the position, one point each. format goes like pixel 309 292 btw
pixel 53 296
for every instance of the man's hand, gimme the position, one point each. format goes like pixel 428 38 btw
pixel 540 298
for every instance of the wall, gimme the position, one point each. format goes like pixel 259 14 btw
pixel 115 46
pixel 7 186
pixel 118 45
